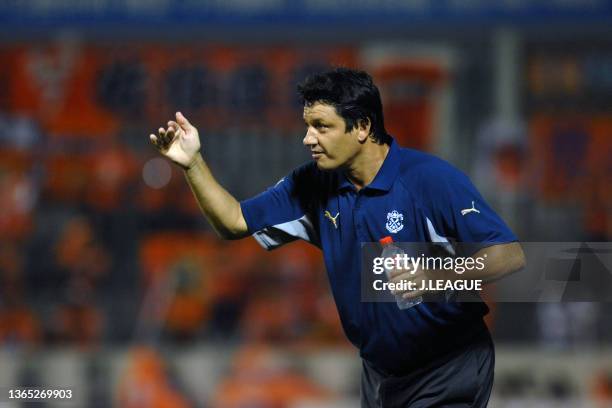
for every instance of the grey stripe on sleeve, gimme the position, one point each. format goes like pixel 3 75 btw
pixel 280 234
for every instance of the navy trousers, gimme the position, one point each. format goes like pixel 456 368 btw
pixel 461 379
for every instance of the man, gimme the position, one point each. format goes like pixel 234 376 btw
pixel 433 354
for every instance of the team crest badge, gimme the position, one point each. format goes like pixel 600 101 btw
pixel 394 222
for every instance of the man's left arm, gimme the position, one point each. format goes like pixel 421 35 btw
pixel 499 260
pixel 454 208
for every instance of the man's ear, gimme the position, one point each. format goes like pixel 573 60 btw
pixel 364 128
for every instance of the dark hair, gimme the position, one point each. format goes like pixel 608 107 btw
pixel 353 95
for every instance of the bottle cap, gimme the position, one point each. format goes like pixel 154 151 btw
pixel 386 240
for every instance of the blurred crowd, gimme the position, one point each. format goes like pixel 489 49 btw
pixel 90 253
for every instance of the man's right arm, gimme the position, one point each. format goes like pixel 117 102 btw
pixel 180 142
pixel 219 207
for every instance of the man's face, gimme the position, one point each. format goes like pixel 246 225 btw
pixel 331 146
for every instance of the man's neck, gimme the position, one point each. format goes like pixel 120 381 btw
pixel 366 165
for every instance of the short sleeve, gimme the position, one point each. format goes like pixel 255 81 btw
pixel 281 214
pixel 456 210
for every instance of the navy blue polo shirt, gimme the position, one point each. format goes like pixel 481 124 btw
pixel 415 197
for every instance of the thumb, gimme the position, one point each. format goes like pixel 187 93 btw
pixel 182 120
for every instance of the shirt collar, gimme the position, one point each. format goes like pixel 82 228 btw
pixel 386 174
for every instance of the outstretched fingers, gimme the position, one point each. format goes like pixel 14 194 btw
pixel 182 121
pixel 169 136
pixel 158 140
pixel 154 140
pixel 163 139
pixel 175 126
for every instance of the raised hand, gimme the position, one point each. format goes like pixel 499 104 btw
pixel 180 142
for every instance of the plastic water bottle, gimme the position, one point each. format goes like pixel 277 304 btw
pixel 391 251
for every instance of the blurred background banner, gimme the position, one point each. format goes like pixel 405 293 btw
pixel 320 12
pixel 113 284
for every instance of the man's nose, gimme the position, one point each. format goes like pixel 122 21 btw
pixel 310 138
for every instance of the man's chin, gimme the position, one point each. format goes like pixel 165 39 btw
pixel 323 164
